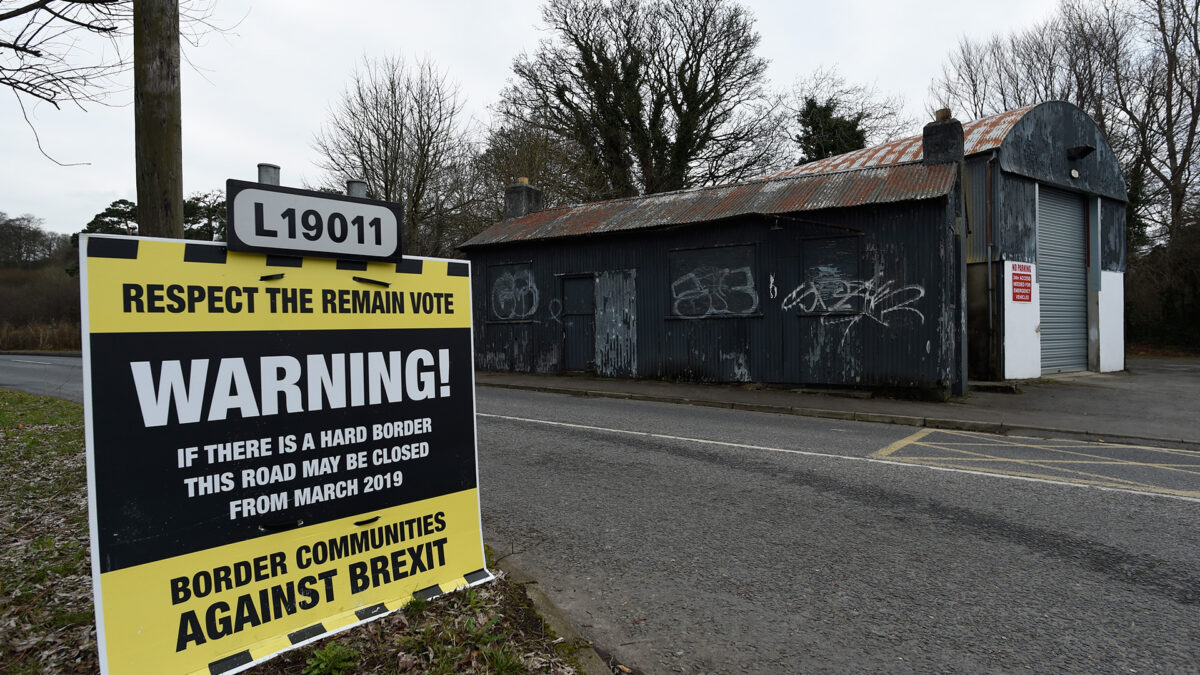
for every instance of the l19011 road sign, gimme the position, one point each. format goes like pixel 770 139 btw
pixel 278 448
pixel 274 219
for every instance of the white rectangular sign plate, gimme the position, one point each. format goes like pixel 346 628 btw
pixel 273 219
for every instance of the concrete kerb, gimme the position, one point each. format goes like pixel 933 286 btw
pixel 998 428
pixel 884 418
pixel 589 660
pixel 845 415
pixel 963 425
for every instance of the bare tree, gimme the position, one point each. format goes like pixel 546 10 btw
pixel 1133 65
pixel 965 82
pixel 656 95
pixel 401 129
pixel 556 165
pixel 1138 66
pixel 1007 72
pixel 41 55
pixel 1153 64
pixel 725 125
pixel 1100 44
pixel 1031 66
pixel 25 244
pixel 204 216
pixel 69 51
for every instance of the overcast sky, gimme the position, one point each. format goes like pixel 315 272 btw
pixel 259 92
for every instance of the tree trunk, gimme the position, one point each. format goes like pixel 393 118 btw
pixel 1178 194
pixel 157 112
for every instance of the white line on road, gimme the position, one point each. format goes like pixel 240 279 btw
pixel 40 363
pixel 809 453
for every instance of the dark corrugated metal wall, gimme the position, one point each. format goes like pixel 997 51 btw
pixel 1112 236
pixel 976 192
pixel 982 176
pixel 862 296
pixel 1016 218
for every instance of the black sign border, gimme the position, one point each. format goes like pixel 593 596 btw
pixel 233 187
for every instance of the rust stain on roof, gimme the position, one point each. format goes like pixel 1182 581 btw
pixel 885 173
pixel 876 185
pixel 981 135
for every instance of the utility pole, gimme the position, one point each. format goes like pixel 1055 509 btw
pixel 157 118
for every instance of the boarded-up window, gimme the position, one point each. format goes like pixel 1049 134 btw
pixel 831 278
pixel 713 282
pixel 512 293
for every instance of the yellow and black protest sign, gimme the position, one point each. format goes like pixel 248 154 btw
pixel 278 447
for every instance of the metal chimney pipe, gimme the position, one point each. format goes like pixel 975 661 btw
pixel 268 173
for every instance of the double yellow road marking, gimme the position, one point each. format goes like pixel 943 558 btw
pixel 1159 470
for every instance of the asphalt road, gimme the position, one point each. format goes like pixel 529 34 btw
pixel 692 539
pixel 58 376
pixel 740 553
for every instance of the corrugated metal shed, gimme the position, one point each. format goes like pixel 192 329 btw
pixel 981 135
pixel 791 194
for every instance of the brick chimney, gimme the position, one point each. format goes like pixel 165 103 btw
pixel 942 139
pixel 521 199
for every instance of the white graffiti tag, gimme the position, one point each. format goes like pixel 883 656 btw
pixel 555 308
pixel 711 291
pixel 848 301
pixel 514 295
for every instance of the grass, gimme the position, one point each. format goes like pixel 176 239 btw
pixel 491 628
pixel 45 568
pixel 46 337
pixel 46 612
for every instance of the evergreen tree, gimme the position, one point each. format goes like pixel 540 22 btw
pixel 824 133
pixel 121 217
pixel 204 216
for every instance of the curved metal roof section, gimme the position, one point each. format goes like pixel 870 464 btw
pixel 789 194
pixel 1040 143
pixel 985 133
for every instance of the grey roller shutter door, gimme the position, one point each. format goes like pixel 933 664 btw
pixel 1062 280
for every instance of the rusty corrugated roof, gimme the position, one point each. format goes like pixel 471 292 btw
pixel 884 173
pixel 876 185
pixel 981 135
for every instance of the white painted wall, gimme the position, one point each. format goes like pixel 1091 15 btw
pixel 1022 326
pixel 1111 307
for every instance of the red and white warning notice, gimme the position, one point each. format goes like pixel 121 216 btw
pixel 1022 282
